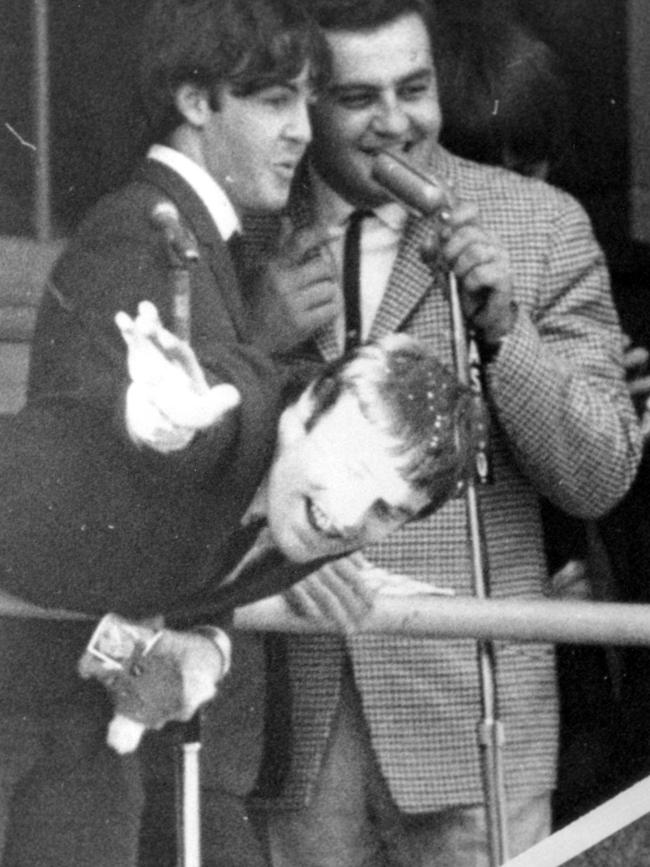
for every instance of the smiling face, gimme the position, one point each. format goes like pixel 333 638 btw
pixel 382 94
pixel 252 144
pixel 336 486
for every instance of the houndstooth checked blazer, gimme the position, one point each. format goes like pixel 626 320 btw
pixel 562 426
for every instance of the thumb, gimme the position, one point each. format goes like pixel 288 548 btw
pixel 220 400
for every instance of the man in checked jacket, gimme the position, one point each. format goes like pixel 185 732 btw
pixel 386 767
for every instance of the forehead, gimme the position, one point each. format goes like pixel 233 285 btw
pixel 299 81
pixel 394 50
pixel 347 449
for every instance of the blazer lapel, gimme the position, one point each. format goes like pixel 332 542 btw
pixel 411 280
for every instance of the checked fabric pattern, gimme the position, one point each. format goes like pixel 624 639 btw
pixel 562 426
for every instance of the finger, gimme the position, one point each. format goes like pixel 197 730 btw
pixel 350 582
pixel 468 241
pixel 478 279
pixel 306 243
pixel 343 595
pixel 148 312
pixel 317 294
pixel 220 400
pixel 462 214
pixel 148 335
pixel 320 603
pixel 179 353
pixel 358 559
pixel 299 600
pixel 640 385
pixel 305 273
pixel 188 410
pixel 636 357
pixel 145 361
pixel 124 322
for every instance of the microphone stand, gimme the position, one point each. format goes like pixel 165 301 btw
pixel 490 728
pixel 425 195
pixel 182 252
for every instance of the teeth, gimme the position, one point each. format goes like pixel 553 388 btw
pixel 321 520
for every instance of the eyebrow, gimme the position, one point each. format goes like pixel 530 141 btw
pixel 340 89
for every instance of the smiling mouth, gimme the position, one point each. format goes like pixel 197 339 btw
pixel 397 148
pixel 321 522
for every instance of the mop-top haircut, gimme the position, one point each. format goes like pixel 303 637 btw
pixel 405 391
pixel 247 45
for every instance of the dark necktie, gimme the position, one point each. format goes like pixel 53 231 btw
pixel 351 282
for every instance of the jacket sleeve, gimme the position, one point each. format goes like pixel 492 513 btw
pixel 117 260
pixel 557 384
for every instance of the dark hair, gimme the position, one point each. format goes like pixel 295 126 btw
pixel 405 391
pixel 365 14
pixel 502 93
pixel 246 44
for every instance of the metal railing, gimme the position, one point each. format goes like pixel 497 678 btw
pixel 513 619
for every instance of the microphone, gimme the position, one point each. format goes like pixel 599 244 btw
pixel 423 194
pixel 181 244
pixel 182 251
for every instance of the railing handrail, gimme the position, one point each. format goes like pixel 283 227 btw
pixel 514 619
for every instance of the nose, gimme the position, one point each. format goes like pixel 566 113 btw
pixel 298 127
pixel 390 117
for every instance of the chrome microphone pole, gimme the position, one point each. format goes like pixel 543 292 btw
pixel 490 729
pixel 427 196
pixel 182 253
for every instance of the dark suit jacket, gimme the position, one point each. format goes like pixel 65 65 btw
pixel 110 526
pixel 88 521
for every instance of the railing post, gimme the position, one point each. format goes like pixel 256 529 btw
pixel 41 92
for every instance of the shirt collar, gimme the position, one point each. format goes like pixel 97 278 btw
pixel 331 209
pixel 204 185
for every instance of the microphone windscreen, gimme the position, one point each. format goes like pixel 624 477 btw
pixel 420 192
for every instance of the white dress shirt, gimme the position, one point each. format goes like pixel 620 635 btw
pixel 380 237
pixel 204 185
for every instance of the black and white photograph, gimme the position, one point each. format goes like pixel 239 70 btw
pixel 324 424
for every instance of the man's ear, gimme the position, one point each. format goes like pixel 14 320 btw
pixel 193 103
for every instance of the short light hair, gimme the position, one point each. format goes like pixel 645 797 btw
pixel 245 44
pixel 408 393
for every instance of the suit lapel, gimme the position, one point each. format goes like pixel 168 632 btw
pixel 412 281
pixel 409 283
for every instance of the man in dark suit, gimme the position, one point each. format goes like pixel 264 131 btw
pixel 121 517
pixel 354 460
